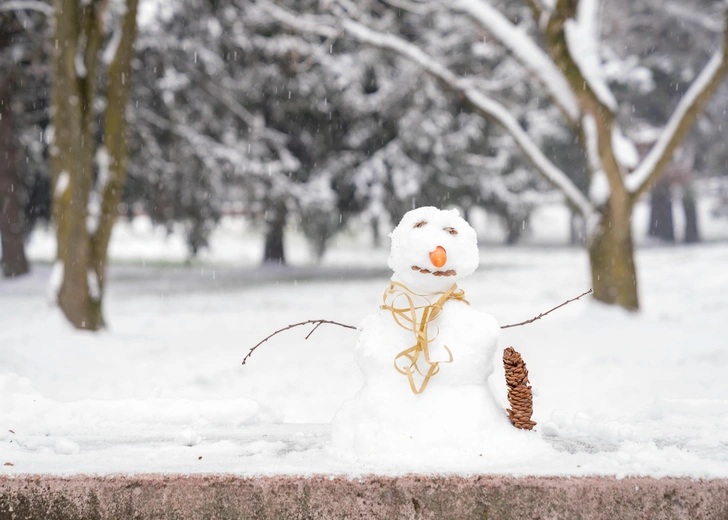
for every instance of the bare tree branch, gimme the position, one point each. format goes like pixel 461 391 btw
pixel 317 324
pixel 547 312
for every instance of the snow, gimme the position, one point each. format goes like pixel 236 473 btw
pixel 624 149
pixel 411 247
pixel 66 447
pixel 591 135
pixel 582 38
pixel 79 59
pixel 616 393
pixel 55 280
pixel 109 52
pixel 95 197
pixel 599 187
pixel 188 437
pixel 64 179
pixel 94 289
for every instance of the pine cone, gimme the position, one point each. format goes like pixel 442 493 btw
pixel 520 396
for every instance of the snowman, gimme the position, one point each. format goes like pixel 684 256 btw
pixel 427 354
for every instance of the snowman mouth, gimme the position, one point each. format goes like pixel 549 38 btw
pixel 449 272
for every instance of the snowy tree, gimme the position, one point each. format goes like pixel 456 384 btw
pixel 443 154
pixel 204 136
pixel 229 106
pixel 22 115
pixel 657 49
pixel 12 193
pixel 330 129
pixel 93 50
pixel 565 58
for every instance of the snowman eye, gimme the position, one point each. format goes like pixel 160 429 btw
pixel 451 230
pixel 420 224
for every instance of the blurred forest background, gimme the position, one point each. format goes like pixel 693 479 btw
pixel 317 114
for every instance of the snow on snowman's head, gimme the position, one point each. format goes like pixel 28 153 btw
pixel 432 249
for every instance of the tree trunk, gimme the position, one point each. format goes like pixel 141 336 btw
pixel 662 224
pixel 12 193
pixel 515 226
pixel 276 222
pixel 83 241
pixel 691 215
pixel 376 233
pixel 115 151
pixel 72 156
pixel 611 254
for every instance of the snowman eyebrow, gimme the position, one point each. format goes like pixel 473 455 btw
pixel 451 230
pixel 420 224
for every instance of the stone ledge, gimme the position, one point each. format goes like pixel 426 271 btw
pixel 170 497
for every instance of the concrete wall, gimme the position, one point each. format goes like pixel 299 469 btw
pixel 418 497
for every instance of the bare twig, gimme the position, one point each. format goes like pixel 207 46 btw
pixel 317 324
pixel 313 330
pixel 547 312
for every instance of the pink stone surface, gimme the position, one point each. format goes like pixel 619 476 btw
pixel 415 497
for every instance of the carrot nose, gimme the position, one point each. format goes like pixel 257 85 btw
pixel 438 257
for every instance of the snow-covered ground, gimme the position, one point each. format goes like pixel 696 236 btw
pixel 163 390
pixel 235 242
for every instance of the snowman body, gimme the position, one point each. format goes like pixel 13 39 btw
pixel 456 412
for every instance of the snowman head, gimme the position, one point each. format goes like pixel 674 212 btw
pixel 432 249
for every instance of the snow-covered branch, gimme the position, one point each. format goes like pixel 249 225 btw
pixel 681 120
pixel 109 53
pixel 525 50
pixel 582 40
pixel 412 7
pixel 256 124
pixel 321 25
pixel 206 147
pixel 686 13
pixel 482 104
pixel 494 110
pixel 27 5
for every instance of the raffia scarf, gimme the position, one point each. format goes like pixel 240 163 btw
pixel 417 318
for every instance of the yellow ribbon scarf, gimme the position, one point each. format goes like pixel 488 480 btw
pixel 407 318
